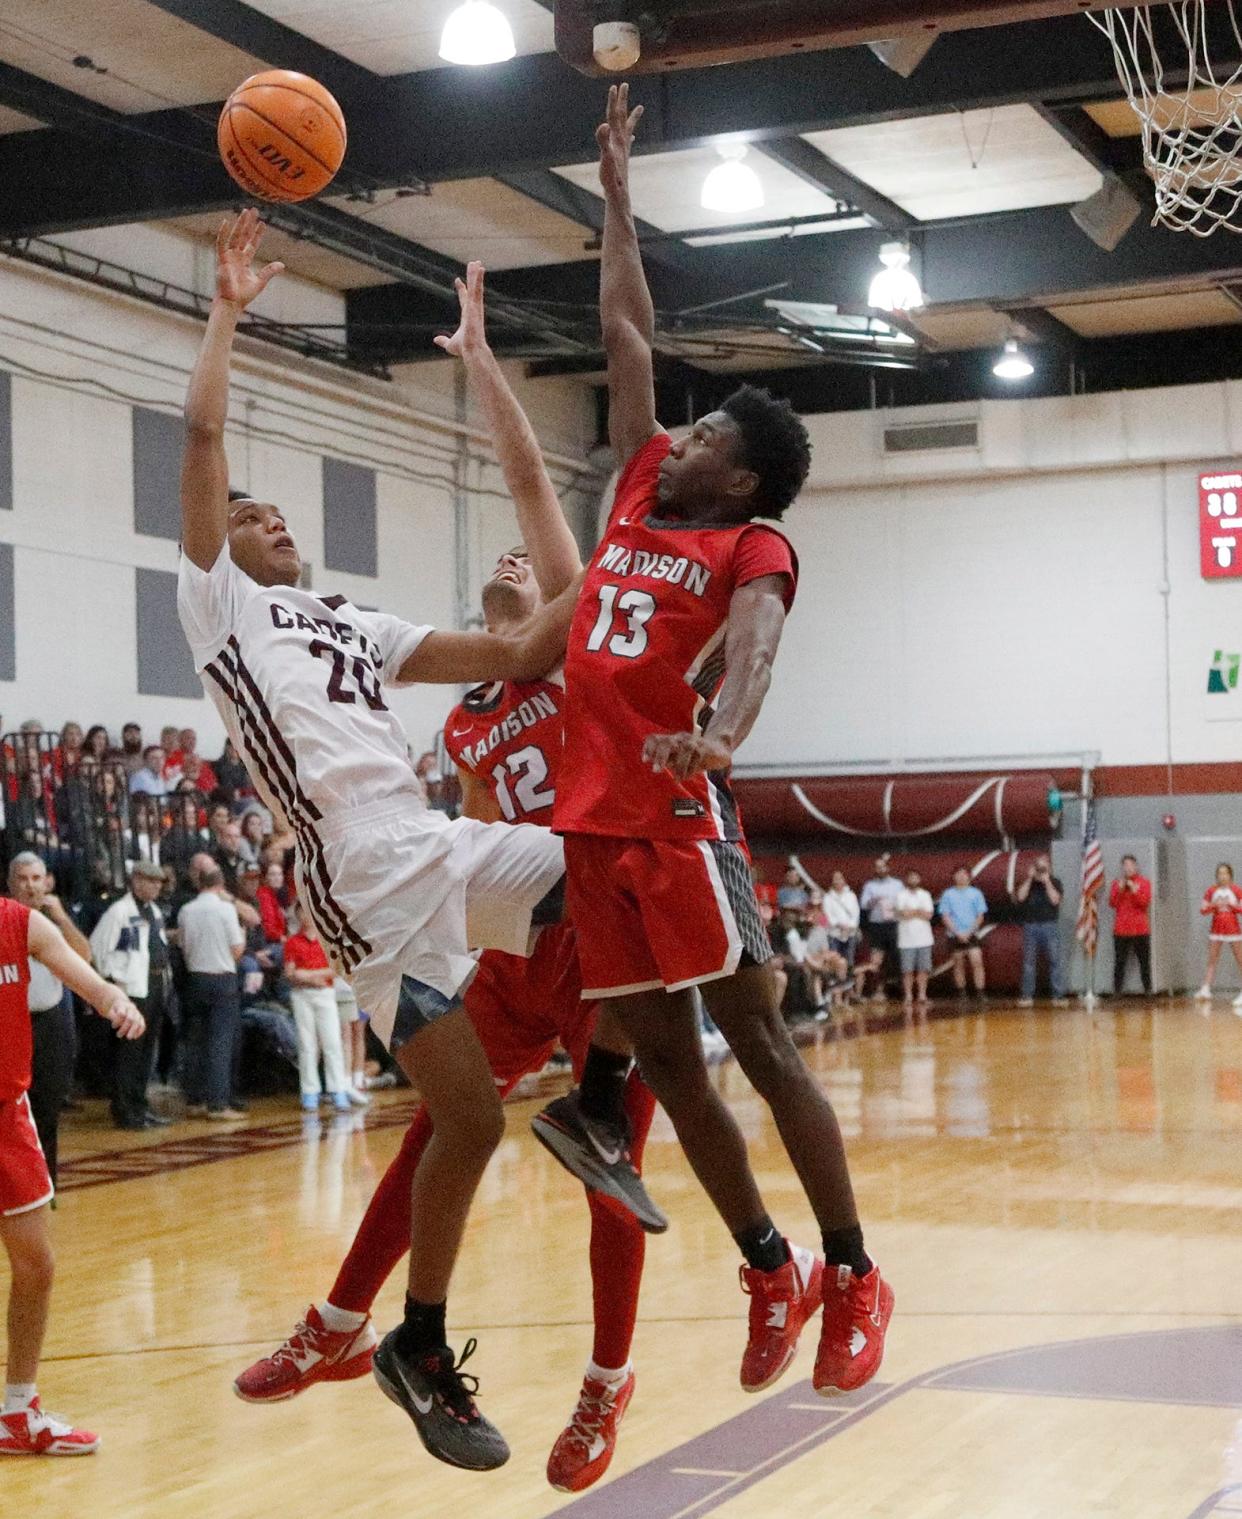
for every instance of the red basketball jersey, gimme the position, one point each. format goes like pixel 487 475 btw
pixel 509 735
pixel 16 1039
pixel 647 655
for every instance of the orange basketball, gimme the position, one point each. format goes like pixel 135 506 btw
pixel 281 135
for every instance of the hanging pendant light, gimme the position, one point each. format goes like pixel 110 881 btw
pixel 477 33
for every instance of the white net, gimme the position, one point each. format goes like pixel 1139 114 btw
pixel 1189 105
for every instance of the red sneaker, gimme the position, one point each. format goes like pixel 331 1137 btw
pixel 780 1303
pixel 585 1447
pixel 35 1433
pixel 312 1353
pixel 851 1345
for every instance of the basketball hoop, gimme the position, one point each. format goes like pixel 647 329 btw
pixel 1192 133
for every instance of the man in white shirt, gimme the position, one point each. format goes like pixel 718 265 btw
pixel 212 941
pixel 130 949
pixel 396 892
pixel 915 911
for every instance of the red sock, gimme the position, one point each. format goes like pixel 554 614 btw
pixel 618 1246
pixel 383 1236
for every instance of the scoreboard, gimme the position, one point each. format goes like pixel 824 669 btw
pixel 1220 526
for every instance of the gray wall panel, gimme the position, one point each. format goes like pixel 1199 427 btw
pixel 6 442
pixel 349 518
pixel 165 666
pixel 8 633
pixel 158 438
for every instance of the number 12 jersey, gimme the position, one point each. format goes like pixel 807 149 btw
pixel 647 655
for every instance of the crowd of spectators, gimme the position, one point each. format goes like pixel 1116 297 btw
pixel 837 948
pixel 164 869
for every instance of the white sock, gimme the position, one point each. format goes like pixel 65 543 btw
pixel 17 1396
pixel 338 1320
pixel 605 1374
pixel 360 1080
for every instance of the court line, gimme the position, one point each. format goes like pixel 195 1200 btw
pixel 721 1318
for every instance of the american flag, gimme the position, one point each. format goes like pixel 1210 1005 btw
pixel 1088 926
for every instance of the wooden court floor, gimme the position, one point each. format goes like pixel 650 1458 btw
pixel 1056 1197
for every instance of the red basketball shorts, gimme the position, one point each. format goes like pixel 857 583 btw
pixel 24 1180
pixel 652 913
pixel 523 1008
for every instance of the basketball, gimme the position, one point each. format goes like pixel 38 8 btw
pixel 281 136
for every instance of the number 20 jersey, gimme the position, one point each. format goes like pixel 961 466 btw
pixel 647 655
pixel 509 735
pixel 297 679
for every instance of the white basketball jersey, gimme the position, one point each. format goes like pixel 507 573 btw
pixel 297 679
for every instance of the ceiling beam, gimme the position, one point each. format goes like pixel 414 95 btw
pixel 35 161
pixel 1013 260
pixel 534 112
pixel 277 44
pixel 815 168
pixel 1042 327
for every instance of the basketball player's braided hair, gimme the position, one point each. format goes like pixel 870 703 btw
pixel 775 446
pixel 236 495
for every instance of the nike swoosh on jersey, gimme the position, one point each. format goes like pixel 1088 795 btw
pixel 461 732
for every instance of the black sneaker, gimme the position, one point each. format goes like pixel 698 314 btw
pixel 598 1155
pixel 440 1400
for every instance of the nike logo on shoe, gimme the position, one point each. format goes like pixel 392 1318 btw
pixel 609 1154
pixel 422 1404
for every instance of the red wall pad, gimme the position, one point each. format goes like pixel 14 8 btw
pixel 907 807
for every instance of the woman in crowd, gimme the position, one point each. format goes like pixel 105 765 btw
pixel 843 914
pixel 254 830
pixel 1222 903
pixel 96 743
pixel 231 776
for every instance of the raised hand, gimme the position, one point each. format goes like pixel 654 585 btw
pixel 614 136
pixel 471 334
pixel 237 280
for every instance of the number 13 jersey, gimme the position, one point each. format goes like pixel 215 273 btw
pixel 647 655
pixel 297 680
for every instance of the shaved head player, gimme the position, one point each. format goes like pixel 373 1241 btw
pixel 395 891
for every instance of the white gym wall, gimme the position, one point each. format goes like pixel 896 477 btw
pixel 77 358
pixel 1008 600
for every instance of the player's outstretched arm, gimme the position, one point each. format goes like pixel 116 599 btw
pixel 752 637
pixel 46 944
pixel 545 533
pixel 626 312
pixel 468 658
pixel 204 464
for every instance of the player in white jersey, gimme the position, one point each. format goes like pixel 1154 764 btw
pixel 396 891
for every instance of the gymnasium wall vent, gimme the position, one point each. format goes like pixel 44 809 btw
pixel 924 437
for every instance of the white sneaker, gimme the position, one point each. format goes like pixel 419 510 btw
pixel 1204 994
pixel 1237 1004
pixel 356 1098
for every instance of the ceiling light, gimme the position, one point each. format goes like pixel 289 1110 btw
pixel 476 33
pixel 896 286
pixel 904 54
pixel 1013 364
pixel 732 186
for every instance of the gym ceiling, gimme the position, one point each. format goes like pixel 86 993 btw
pixel 977 160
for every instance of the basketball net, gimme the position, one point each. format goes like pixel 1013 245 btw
pixel 1192 133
